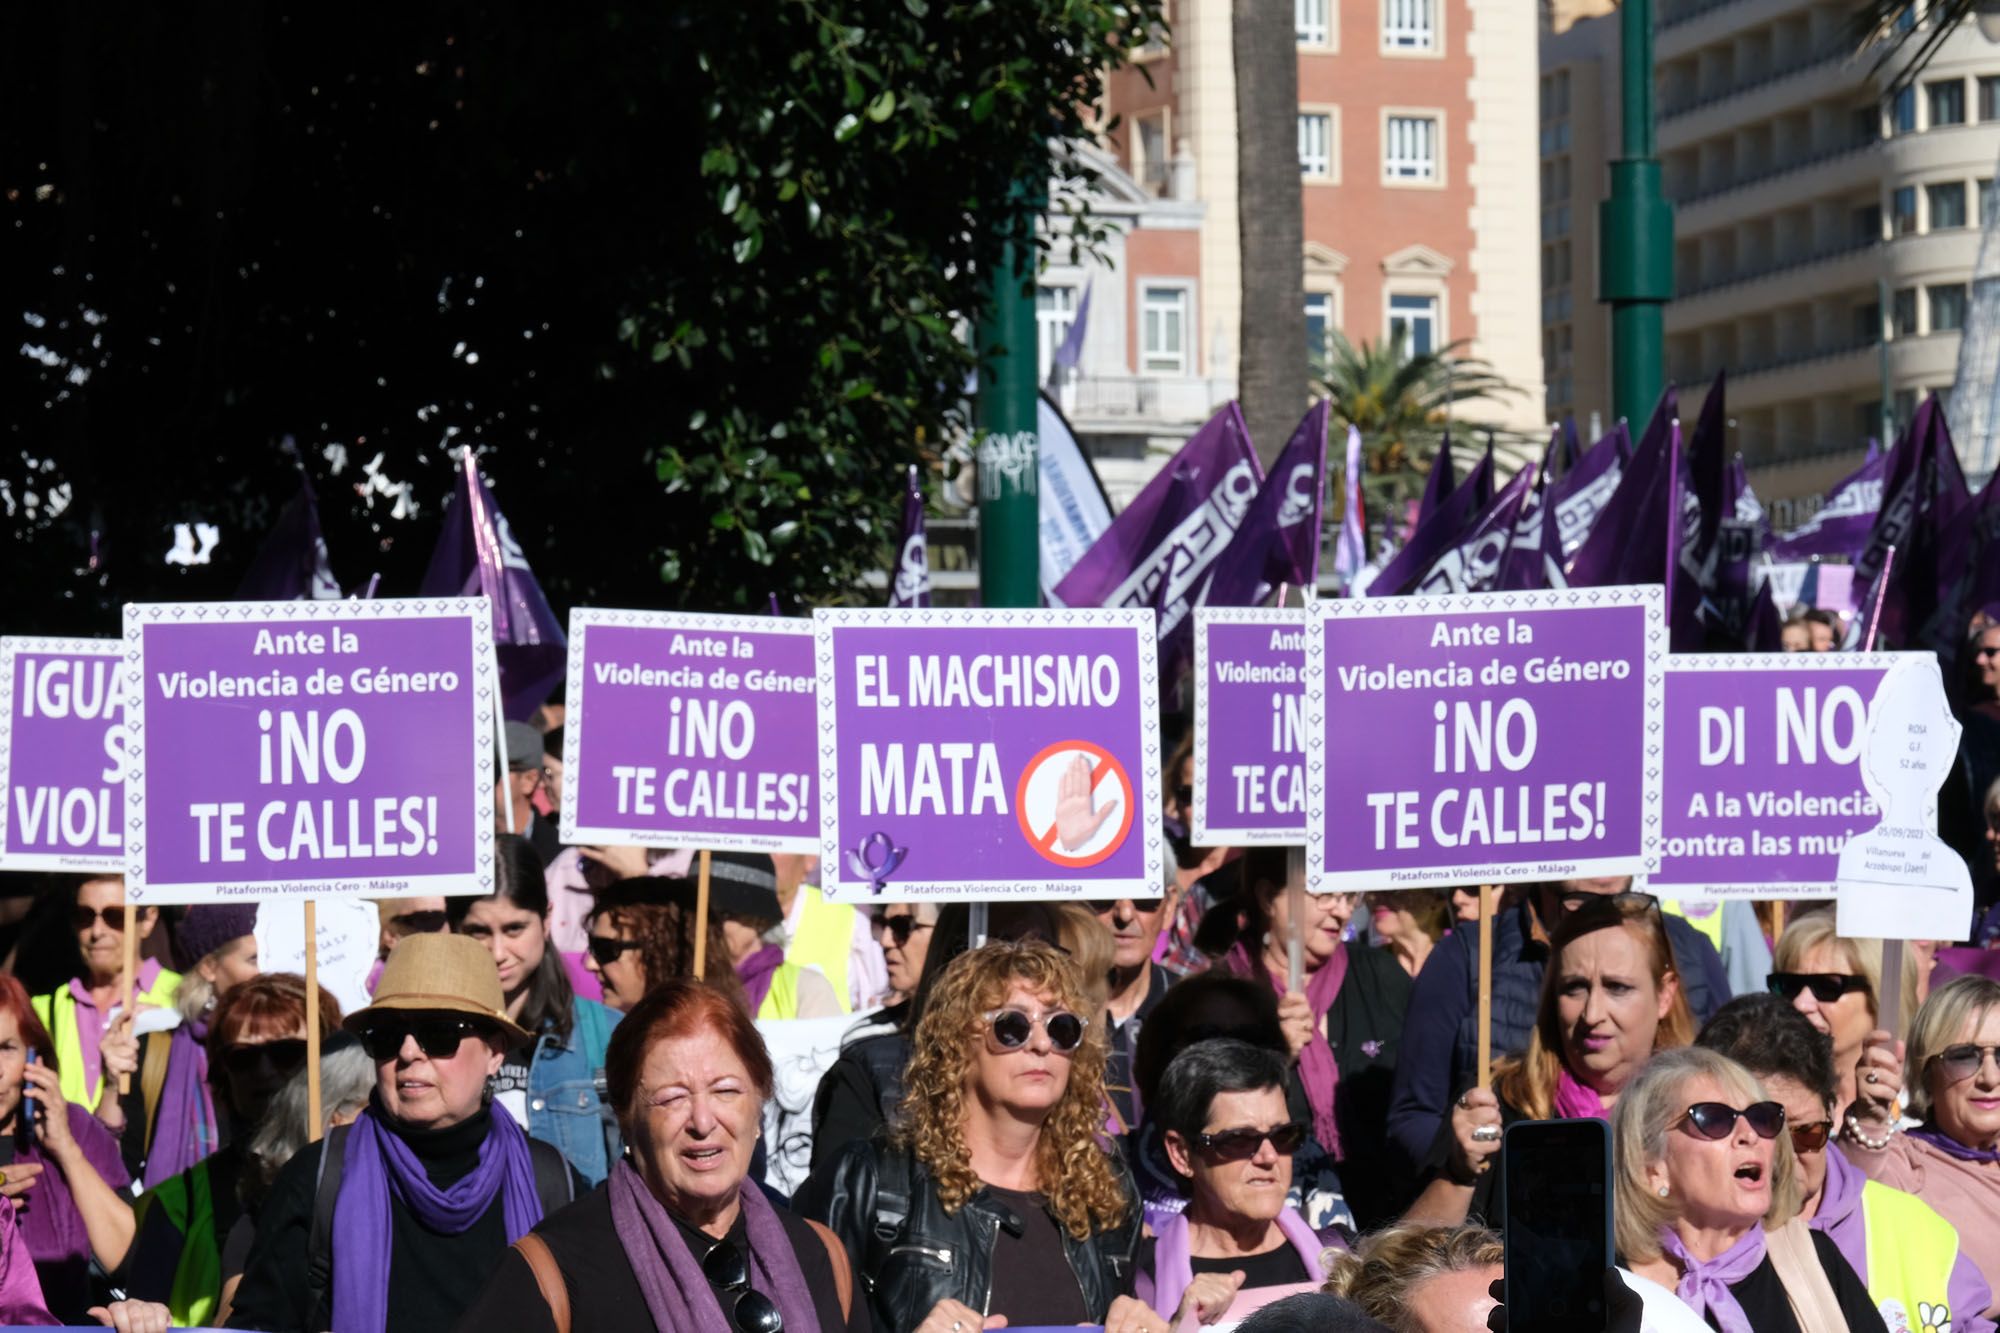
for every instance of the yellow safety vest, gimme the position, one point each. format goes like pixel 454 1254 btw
pixel 57 1010
pixel 1911 1252
pixel 782 1000
pixel 1709 922
pixel 824 940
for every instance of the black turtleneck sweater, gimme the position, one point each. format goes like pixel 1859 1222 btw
pixel 432 1277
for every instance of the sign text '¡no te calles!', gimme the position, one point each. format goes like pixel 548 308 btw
pixel 1472 736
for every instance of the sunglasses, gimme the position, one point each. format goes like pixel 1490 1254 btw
pixel 726 1271
pixel 1826 987
pixel 85 917
pixel 607 950
pixel 438 1038
pixel 251 1058
pixel 1715 1120
pixel 1962 1061
pixel 1012 1028
pixel 900 928
pixel 417 923
pixel 1575 898
pixel 1240 1145
pixel 1812 1137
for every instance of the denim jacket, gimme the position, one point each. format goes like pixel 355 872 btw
pixel 567 1108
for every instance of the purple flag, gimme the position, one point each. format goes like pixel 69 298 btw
pixel 1921 499
pixel 1441 482
pixel 1158 551
pixel 477 553
pixel 1481 479
pixel 291 565
pixel 1840 526
pixel 1071 351
pixel 1764 634
pixel 1474 564
pixel 1708 470
pixel 1551 531
pixel 1437 536
pixel 1278 540
pixel 1969 568
pixel 1628 544
pixel 910 580
pixel 1351 555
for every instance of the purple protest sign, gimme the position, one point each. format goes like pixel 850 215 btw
pixel 689 730
pixel 62 755
pixel 1249 726
pixel 1763 770
pixel 988 754
pixel 1483 738
pixel 309 749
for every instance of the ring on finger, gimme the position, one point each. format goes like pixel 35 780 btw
pixel 1486 1133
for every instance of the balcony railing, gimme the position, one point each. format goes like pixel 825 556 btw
pixel 1674 15
pixel 1741 370
pixel 1791 165
pixel 1826 55
pixel 1771 270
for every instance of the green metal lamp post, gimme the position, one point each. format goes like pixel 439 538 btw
pixel 1636 228
pixel 1009 456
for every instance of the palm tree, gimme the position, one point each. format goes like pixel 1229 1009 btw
pixel 1271 339
pixel 1903 49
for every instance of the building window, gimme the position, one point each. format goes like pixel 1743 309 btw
pixel 1868 325
pixel 1319 330
pixel 1409 25
pixel 1947 99
pixel 1989 97
pixel 1868 224
pixel 1163 322
pixel 1947 203
pixel 1410 147
pixel 1152 165
pixel 1055 311
pixel 1948 307
pixel 1313 22
pixel 1316 145
pixel 1903 211
pixel 1867 126
pixel 1903 112
pixel 1413 324
pixel 1985 199
pixel 1903 313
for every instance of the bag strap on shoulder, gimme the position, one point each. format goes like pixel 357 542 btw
pixel 553 1184
pixel 836 1255
pixel 153 1078
pixel 319 1237
pixel 548 1277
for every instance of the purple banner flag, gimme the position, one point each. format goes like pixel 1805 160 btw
pixel 309 749
pixel 1433 540
pixel 1766 631
pixel 1553 529
pixel 292 563
pixel 1708 469
pixel 476 553
pixel 690 730
pixel 1921 499
pixel 1763 774
pixel 1840 526
pixel 1278 539
pixel 988 754
pixel 1629 542
pixel 1249 726
pixel 910 581
pixel 1070 352
pixel 1350 556
pixel 1441 482
pixel 1160 548
pixel 1483 738
pixel 1474 565
pixel 62 754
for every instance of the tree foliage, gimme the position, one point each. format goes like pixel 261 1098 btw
pixel 688 275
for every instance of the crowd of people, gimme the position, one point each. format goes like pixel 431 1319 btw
pixel 1135 1114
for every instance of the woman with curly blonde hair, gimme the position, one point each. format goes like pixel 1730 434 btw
pixel 992 1194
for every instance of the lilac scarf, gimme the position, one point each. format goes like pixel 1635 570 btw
pixel 677 1295
pixel 1576 1101
pixel 1317 1069
pixel 755 973
pixel 1951 1147
pixel 377 1163
pixel 1704 1287
pixel 1173 1259
pixel 185 1118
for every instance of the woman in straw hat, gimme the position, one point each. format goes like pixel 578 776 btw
pixel 396 1221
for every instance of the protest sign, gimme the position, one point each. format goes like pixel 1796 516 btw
pixel 687 729
pixel 306 749
pixel 1483 738
pixel 347 933
pixel 1763 777
pixel 62 755
pixel 1249 726
pixel 988 754
pixel 802 1050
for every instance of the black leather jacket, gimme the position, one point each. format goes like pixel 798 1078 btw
pixel 933 1255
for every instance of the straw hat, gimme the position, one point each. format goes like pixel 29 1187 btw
pixel 440 974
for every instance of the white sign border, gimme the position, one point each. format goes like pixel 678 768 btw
pixel 581 620
pixel 1200 834
pixel 1692 663
pixel 1142 621
pixel 485 687
pixel 1650 598
pixel 11 646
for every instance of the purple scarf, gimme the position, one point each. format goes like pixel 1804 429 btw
pixel 1704 1287
pixel 1173 1259
pixel 185 1117
pixel 1576 1101
pixel 755 972
pixel 1951 1147
pixel 1317 1069
pixel 379 1162
pixel 677 1295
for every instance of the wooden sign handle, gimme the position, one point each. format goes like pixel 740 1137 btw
pixel 315 1117
pixel 1485 1072
pixel 701 919
pixel 128 980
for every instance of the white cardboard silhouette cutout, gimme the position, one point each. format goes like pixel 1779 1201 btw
pixel 1899 880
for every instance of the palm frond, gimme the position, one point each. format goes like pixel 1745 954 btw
pixel 1904 43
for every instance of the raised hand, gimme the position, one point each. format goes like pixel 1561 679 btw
pixel 1077 819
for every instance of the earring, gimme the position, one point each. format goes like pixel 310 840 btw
pixel 1663 1191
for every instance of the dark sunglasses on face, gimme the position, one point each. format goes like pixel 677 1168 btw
pixel 900 928
pixel 1240 1145
pixel 1812 1137
pixel 1575 898
pixel 84 917
pixel 280 1057
pixel 1962 1061
pixel 1012 1027
pixel 726 1271
pixel 1826 987
pixel 1714 1120
pixel 607 950
pixel 438 1038
pixel 417 923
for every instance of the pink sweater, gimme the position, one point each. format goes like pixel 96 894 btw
pixel 20 1290
pixel 1966 1194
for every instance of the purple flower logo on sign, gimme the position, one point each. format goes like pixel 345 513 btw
pixel 874 859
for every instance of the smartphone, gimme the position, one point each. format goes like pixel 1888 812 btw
pixel 27 1102
pixel 1558 1240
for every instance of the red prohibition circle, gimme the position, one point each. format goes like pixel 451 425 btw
pixel 1044 843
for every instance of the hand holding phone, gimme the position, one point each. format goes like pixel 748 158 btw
pixel 27 1102
pixel 1558 1241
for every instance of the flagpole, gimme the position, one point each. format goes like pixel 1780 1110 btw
pixel 1875 612
pixel 1673 518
